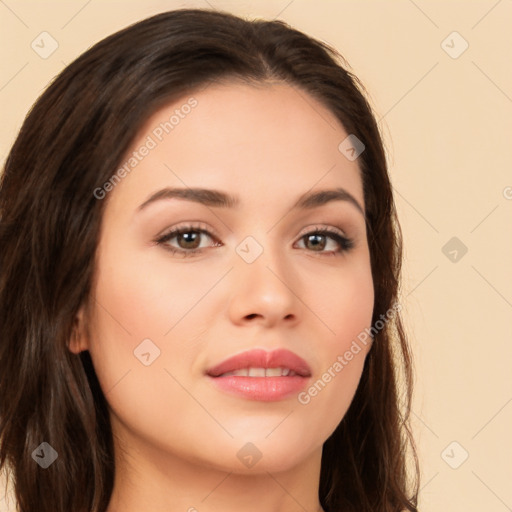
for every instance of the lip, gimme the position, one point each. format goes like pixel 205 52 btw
pixel 261 388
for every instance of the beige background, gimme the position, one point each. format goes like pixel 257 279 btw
pixel 447 123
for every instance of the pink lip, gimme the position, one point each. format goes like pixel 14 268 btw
pixel 261 388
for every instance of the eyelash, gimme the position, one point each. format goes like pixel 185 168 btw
pixel 345 243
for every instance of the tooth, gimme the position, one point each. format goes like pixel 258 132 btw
pixel 244 372
pixel 256 372
pixel 261 372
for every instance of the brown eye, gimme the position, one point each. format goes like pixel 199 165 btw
pixel 187 240
pixel 315 241
pixel 318 241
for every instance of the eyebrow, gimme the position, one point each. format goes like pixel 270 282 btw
pixel 219 199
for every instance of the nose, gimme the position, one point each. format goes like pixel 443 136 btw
pixel 265 292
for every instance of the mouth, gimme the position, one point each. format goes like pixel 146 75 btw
pixel 261 375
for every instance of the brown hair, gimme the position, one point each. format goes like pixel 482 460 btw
pixel 70 144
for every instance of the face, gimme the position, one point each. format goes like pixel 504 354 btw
pixel 185 281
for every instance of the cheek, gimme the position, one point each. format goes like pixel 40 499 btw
pixel 144 316
pixel 147 295
pixel 343 302
pixel 346 311
pixel 144 306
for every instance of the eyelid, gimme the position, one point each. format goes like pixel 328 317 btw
pixel 315 227
pixel 189 226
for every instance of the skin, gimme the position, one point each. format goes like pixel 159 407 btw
pixel 176 435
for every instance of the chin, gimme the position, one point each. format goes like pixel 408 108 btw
pixel 276 453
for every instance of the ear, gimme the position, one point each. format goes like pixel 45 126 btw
pixel 79 339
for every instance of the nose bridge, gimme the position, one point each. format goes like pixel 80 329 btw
pixel 262 276
pixel 262 256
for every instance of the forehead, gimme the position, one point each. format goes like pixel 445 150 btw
pixel 249 139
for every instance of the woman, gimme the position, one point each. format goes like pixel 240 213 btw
pixel 199 276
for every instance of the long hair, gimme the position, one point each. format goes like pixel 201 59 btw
pixel 71 142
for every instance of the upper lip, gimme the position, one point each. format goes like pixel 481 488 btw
pixel 260 358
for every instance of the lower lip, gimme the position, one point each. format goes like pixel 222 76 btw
pixel 265 389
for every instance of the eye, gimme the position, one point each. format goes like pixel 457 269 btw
pixel 319 238
pixel 188 240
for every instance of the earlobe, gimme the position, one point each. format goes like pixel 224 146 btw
pixel 78 340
